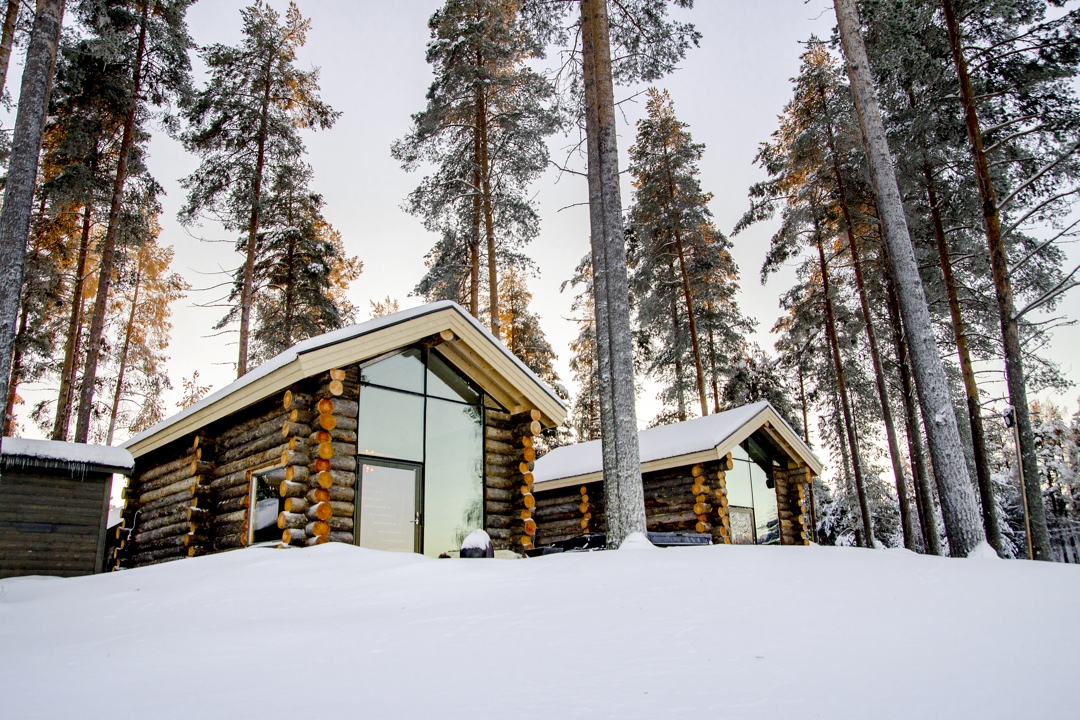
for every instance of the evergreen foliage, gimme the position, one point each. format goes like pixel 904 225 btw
pixel 482 137
pixel 683 278
pixel 245 126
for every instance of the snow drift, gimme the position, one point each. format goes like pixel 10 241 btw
pixel 717 632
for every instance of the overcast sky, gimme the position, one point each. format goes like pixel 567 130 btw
pixel 371 56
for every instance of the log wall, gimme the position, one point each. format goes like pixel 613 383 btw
pixel 571 512
pixel 687 499
pixel 319 486
pixel 167 504
pixel 509 454
pixel 792 498
pixel 52 523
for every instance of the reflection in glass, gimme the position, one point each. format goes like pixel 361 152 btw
pixel 390 424
pixel 766 520
pixel 388 507
pixel 453 485
pixel 445 382
pixel 742 525
pixel 404 372
pixel 738 484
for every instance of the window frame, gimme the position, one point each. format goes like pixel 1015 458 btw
pixel 481 403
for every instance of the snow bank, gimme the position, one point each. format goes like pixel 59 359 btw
pixel 715 632
pixel 65 453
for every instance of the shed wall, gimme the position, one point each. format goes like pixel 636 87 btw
pixel 52 523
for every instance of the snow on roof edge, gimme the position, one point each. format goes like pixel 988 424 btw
pixel 658 443
pixel 54 451
pixel 332 338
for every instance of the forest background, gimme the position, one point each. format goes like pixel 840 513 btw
pixel 371 57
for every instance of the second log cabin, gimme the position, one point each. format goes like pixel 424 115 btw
pixel 742 476
pixel 403 433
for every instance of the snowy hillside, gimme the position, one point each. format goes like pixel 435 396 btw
pixel 716 632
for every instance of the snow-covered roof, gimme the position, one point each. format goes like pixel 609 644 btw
pixel 700 435
pixel 65 455
pixel 311 345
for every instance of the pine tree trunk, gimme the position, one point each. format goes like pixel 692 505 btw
pixel 871 337
pixel 691 320
pixel 924 501
pixel 8 424
pixel 961 512
pixel 247 293
pixel 489 220
pixel 845 460
pixel 125 348
pixel 679 395
pixel 845 402
pixel 16 372
pixel 74 333
pixel 802 404
pixel 623 490
pixel 22 174
pixel 477 211
pixel 289 299
pixel 107 261
pixel 967 372
pixel 7 39
pixel 1010 334
pixel 713 372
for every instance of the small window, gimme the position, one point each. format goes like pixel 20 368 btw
pixel 402 372
pixel 266 504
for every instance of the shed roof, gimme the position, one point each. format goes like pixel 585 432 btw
pixel 25 452
pixel 475 351
pixel 692 441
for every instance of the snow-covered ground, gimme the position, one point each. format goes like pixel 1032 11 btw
pixel 715 632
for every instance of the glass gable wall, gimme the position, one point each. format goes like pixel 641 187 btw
pixel 751 489
pixel 417 411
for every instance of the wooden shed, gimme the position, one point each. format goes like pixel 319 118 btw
pixel 54 506
pixel 742 476
pixel 403 433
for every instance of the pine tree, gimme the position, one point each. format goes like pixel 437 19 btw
pixel 80 155
pixel 22 175
pixel 647 46
pixel 683 279
pixel 245 126
pixel 585 407
pixel 483 134
pixel 301 269
pixel 143 309
pixel 958 501
pixel 381 308
pixel 149 37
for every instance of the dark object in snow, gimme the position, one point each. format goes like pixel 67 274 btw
pixel 477 545
pixel 598 541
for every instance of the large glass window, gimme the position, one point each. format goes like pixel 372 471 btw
pixel 752 496
pixel 453 497
pixel 391 424
pixel 416 407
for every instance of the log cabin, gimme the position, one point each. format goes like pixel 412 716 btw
pixel 741 477
pixel 403 433
pixel 54 506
